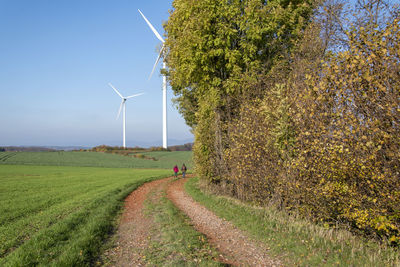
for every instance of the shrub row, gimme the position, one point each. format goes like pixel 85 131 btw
pixel 328 145
pixel 288 108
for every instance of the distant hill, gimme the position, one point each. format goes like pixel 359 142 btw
pixel 25 148
pixel 185 147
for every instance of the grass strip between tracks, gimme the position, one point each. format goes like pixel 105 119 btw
pixel 295 241
pixel 174 241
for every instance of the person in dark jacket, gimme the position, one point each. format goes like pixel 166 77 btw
pixel 183 170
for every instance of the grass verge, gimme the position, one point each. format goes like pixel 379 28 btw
pixel 175 242
pixel 295 241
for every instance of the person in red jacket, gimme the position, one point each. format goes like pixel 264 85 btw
pixel 176 170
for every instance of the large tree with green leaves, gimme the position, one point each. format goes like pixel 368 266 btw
pixel 214 49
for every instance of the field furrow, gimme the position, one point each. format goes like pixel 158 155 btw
pixel 59 215
pixel 4 156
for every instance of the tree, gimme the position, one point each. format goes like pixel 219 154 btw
pixel 212 47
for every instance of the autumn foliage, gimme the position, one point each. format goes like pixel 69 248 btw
pixel 306 126
pixel 348 135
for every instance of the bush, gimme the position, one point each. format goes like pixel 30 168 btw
pixel 348 163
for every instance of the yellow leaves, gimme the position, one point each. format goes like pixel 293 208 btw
pixel 394 239
pixel 368 78
pixel 381 227
pixel 372 55
pixel 345 161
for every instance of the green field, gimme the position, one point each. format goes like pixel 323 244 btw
pixel 169 159
pixel 60 215
pixel 164 159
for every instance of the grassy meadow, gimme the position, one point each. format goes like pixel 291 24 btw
pixel 164 159
pixel 60 214
pixel 169 159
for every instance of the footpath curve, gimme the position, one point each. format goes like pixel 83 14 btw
pixel 235 247
pixel 134 228
pixel 133 235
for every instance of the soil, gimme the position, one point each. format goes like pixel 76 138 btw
pixel 234 246
pixel 133 231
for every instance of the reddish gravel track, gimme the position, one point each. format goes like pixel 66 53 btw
pixel 133 233
pixel 235 247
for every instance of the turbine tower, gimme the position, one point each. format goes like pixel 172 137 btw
pixel 123 106
pixel 165 141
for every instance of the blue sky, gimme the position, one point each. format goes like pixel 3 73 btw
pixel 56 60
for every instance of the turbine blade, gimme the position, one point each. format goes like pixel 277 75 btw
pixel 157 60
pixel 120 108
pixel 115 90
pixel 134 95
pixel 152 28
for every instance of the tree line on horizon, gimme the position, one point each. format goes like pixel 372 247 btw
pixel 110 149
pixel 294 103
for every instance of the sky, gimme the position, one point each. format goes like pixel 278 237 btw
pixel 56 60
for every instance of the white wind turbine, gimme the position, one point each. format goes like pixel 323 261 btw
pixel 123 106
pixel 165 142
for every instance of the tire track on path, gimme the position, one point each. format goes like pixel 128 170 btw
pixel 235 247
pixel 134 232
pixel 134 228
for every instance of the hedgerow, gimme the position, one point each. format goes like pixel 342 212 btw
pixel 311 124
pixel 348 135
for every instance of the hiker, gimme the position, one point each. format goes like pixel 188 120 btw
pixel 183 169
pixel 176 170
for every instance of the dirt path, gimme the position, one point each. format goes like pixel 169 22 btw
pixel 236 248
pixel 133 233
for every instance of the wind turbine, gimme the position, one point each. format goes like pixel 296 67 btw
pixel 123 106
pixel 165 141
